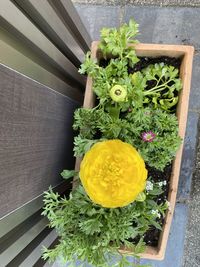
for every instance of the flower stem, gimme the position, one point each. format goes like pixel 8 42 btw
pixel 159 86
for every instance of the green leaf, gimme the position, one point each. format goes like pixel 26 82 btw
pixel 157 225
pixel 141 197
pixel 167 84
pixel 140 247
pixel 66 174
pixel 156 191
pixel 91 226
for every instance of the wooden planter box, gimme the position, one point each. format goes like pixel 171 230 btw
pixel 157 50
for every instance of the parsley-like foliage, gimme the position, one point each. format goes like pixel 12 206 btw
pixel 89 232
pixel 129 128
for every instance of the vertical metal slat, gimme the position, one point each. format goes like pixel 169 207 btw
pixel 70 17
pixel 46 19
pixel 15 21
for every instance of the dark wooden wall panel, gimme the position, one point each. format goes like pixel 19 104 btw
pixel 36 138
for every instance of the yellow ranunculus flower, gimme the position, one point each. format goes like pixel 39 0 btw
pixel 113 173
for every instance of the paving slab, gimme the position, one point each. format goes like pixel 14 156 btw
pixel 166 25
pixel 97 17
pixel 190 27
pixel 160 25
pixel 188 159
pixel 192 242
pixel 145 17
pixel 194 103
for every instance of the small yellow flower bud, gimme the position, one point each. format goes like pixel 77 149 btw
pixel 118 93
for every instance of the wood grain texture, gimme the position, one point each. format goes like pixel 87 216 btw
pixel 156 50
pixel 36 138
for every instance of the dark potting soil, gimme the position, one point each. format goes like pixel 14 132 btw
pixel 151 237
pixel 160 176
pixel 146 61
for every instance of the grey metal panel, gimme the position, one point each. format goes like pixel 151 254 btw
pixel 9 254
pixel 12 57
pixel 36 138
pixel 47 265
pixel 7 240
pixel 41 262
pixel 73 22
pixel 23 243
pixel 12 220
pixel 36 253
pixel 16 22
pixel 46 41
pixel 46 19
pixel 8 222
pixel 29 249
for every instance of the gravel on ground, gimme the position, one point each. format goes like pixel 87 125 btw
pixel 180 3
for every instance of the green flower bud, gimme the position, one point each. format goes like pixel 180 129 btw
pixel 136 78
pixel 141 197
pixel 118 93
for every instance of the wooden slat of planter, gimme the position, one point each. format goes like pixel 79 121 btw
pixel 157 50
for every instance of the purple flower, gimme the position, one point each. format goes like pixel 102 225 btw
pixel 148 136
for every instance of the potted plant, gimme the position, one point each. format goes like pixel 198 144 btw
pixel 128 150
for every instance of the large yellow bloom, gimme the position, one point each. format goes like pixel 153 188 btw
pixel 113 173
